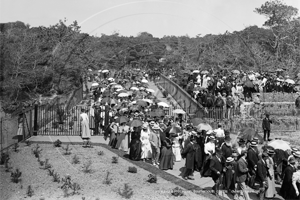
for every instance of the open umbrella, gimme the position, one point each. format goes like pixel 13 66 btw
pixel 279 144
pixel 175 129
pixel 144 81
pixel 117 86
pixel 134 88
pixel 111 79
pixel 204 72
pixel 178 111
pixel 163 104
pixel 204 126
pixel 122 119
pixel 148 101
pixel 235 71
pixel 108 100
pixel 150 90
pixel 290 81
pixel 135 123
pixel 142 103
pixel 157 113
pixel 248 134
pixel 105 71
pixel 123 95
pixel 196 121
pixel 95 84
pixel 196 71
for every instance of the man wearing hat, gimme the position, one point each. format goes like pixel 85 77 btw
pixel 155 141
pixel 189 153
pixel 296 155
pixel 229 175
pixel 252 158
pixel 242 146
pixel 220 135
pixel 287 182
pixel 226 147
pixel 216 167
pixel 266 125
pixel 242 173
pixel 210 147
pixel 262 174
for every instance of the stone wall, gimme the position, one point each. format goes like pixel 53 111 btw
pixel 277 97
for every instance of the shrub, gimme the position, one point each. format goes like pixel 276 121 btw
pixel 57 143
pixel 47 165
pixel 75 159
pixel 67 150
pixel 68 185
pixel 100 153
pixel 42 162
pixel 16 147
pixel 152 178
pixel 51 172
pixel 177 192
pixel 4 158
pixel 126 192
pixel 7 165
pixel 132 169
pixel 29 191
pixel 87 167
pixel 107 180
pixel 115 159
pixel 56 177
pixel 16 176
pixel 28 142
pixel 37 151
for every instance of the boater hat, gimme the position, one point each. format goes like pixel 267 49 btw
pixel 296 154
pixel 229 159
pixel 253 143
pixel 270 151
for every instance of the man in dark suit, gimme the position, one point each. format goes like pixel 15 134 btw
pixel 242 173
pixel 97 118
pixel 286 190
pixel 189 153
pixel 252 159
pixel 216 167
pixel 226 147
pixel 266 125
pixel 262 174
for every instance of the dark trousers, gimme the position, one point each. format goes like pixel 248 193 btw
pixel 216 187
pixel 266 135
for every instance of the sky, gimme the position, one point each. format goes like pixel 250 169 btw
pixel 130 17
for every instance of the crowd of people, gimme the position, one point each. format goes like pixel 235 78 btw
pixel 134 121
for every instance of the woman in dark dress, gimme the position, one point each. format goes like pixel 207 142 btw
pixel 135 144
pixel 167 157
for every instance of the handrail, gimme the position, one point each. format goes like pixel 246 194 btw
pixel 181 97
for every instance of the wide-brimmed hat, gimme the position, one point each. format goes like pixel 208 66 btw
pixel 227 139
pixel 265 154
pixel 211 137
pixel 270 151
pixel 294 149
pixel 292 160
pixel 255 139
pixel 242 141
pixel 155 127
pixel 234 154
pixel 152 123
pixel 229 159
pixel 296 154
pixel 253 143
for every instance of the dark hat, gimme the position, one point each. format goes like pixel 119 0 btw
pixel 242 141
pixel 227 138
pixel 265 154
pixel 270 151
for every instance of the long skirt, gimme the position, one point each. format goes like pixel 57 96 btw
pixel 123 142
pixel 176 152
pixel 113 139
pixel 271 191
pixel 146 150
pixel 135 149
pixel 167 159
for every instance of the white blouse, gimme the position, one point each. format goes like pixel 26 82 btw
pixel 296 176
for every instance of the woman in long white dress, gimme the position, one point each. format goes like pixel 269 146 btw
pixel 124 131
pixel 176 148
pixel 85 127
pixel 271 191
pixel 146 145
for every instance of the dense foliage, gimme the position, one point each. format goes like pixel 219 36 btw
pixel 56 59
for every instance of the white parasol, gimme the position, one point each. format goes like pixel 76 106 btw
pixel 163 104
pixel 178 111
pixel 196 71
pixel 148 100
pixel 150 90
pixel 123 95
pixel 134 88
pixel 105 71
pixel 90 70
pixel 95 84
pixel 290 81
pixel 144 81
pixel 279 144
pixel 111 79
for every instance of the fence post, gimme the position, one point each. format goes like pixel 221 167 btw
pixel 1 134
pixel 35 123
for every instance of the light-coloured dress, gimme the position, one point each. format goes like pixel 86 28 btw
pixel 85 127
pixel 271 191
pixel 176 148
pixel 146 145
pixel 124 138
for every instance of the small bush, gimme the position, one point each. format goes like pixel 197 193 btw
pixel 107 180
pixel 126 192
pixel 42 163
pixel 7 165
pixel 100 153
pixel 67 150
pixel 37 151
pixel 16 147
pixel 51 172
pixel 56 177
pixel 177 192
pixel 4 158
pixel 87 167
pixel 152 178
pixel 16 176
pixel 115 159
pixel 29 191
pixel 68 185
pixel 27 142
pixel 75 159
pixel 132 169
pixel 57 143
pixel 47 165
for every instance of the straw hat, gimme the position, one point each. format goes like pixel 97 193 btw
pixel 229 159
